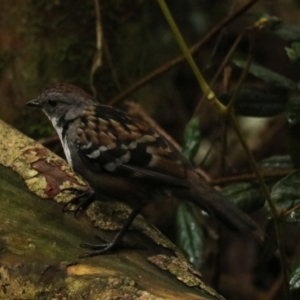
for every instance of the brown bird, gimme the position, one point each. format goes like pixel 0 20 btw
pixel 124 158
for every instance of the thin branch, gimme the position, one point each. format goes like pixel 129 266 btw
pixel 49 140
pixel 251 176
pixel 240 83
pixel 111 66
pixel 274 213
pixel 220 69
pixel 288 212
pixel 209 93
pixel 97 61
pixel 273 210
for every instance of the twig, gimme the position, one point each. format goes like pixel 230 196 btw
pixel 111 66
pixel 274 213
pixel 246 177
pixel 288 212
pixel 240 83
pixel 209 93
pixel 49 140
pixel 273 291
pixel 97 61
pixel 220 69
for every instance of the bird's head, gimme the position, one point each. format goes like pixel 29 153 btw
pixel 62 101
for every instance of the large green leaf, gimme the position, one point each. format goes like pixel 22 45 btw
pixel 190 238
pixel 277 162
pixel 247 196
pixel 191 138
pixel 290 33
pixel 286 194
pixel 295 282
pixel 268 76
pixel 293 110
pixel 293 117
pixel 256 102
pixel 293 52
pixel 295 277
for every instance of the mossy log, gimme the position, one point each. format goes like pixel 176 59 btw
pixel 40 244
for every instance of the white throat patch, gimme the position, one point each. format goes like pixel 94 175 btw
pixel 63 140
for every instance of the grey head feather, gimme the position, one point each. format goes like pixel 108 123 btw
pixel 64 101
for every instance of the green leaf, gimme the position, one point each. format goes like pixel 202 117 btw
pixel 291 54
pixel 190 238
pixel 294 52
pixel 191 138
pixel 268 76
pixel 290 33
pixel 256 102
pixel 286 194
pixel 247 196
pixel 293 117
pixel 295 277
pixel 295 282
pixel 293 110
pixel 270 22
pixel 277 162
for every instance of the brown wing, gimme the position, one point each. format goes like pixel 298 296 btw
pixel 112 141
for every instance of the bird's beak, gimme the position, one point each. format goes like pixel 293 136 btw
pixel 34 102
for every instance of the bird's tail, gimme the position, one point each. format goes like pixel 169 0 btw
pixel 215 204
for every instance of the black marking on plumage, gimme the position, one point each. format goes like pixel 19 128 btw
pixel 113 154
pixel 89 150
pixel 84 120
pixel 160 142
pixel 125 142
pixel 64 124
pixel 139 156
pixel 94 165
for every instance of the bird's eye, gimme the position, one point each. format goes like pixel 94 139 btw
pixel 52 102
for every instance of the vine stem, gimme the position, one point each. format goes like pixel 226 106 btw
pixel 97 61
pixel 209 93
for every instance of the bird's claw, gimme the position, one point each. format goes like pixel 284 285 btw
pixel 81 201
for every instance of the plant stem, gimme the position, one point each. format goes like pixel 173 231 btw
pixel 204 86
pixel 274 213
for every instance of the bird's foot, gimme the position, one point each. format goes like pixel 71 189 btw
pixel 106 247
pixel 83 199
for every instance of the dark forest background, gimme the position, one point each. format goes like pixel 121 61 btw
pixel 43 42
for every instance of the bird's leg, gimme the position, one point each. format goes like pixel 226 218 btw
pixel 116 242
pixel 81 201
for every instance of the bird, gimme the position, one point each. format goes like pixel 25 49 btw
pixel 122 157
